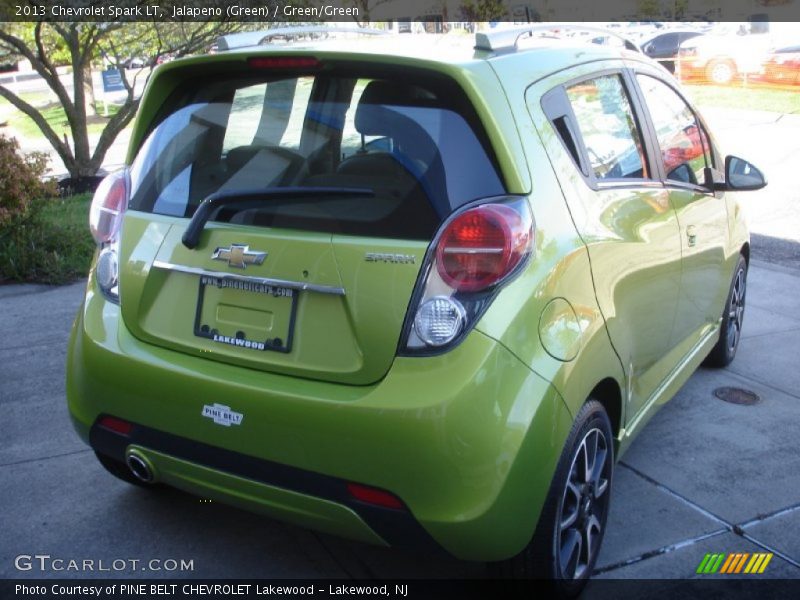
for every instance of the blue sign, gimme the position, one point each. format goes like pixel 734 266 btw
pixel 112 81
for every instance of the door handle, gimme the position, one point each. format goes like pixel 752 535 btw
pixel 691 235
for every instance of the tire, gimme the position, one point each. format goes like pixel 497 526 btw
pixel 720 72
pixel 576 508
pixel 121 471
pixel 730 332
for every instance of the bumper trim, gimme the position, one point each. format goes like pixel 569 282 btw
pixel 398 528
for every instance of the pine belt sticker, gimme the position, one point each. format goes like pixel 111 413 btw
pixel 222 415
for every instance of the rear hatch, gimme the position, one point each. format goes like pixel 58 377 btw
pixel 331 181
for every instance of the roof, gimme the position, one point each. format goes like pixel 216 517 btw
pixel 552 54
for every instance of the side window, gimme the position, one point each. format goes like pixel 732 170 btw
pixel 684 144
pixel 608 128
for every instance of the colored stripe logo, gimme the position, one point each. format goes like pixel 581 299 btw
pixel 734 562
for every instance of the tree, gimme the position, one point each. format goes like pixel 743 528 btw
pixel 81 44
pixel 648 8
pixel 365 8
pixel 480 11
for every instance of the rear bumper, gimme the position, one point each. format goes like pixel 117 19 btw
pixel 468 440
pixel 287 493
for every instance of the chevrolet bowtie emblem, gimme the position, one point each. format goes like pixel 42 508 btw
pixel 239 256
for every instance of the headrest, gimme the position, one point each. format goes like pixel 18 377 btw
pixel 372 118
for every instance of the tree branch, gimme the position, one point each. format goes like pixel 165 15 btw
pixel 45 69
pixel 112 129
pixel 60 147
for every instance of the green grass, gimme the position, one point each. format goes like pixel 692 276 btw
pixel 753 97
pixel 51 245
pixel 57 119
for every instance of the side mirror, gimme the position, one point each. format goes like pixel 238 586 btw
pixel 741 176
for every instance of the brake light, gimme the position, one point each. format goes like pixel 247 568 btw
pixel 481 246
pixel 283 62
pixel 108 206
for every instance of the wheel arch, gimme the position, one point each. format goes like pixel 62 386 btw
pixel 609 394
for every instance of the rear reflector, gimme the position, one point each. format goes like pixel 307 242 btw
pixel 374 496
pixel 116 425
pixel 283 62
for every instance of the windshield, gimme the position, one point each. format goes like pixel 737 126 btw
pixel 410 145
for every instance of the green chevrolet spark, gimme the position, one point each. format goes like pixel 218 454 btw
pixel 418 298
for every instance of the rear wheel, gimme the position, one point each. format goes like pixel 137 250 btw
pixel 567 541
pixel 721 72
pixel 730 332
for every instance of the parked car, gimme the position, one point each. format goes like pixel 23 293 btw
pixel 418 301
pixel 721 59
pixel 664 46
pixel 164 58
pixel 783 66
pixel 135 63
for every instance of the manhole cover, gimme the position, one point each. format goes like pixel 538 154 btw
pixel 737 396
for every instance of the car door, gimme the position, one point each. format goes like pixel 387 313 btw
pixel 685 152
pixel 624 216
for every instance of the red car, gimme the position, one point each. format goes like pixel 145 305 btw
pixel 783 66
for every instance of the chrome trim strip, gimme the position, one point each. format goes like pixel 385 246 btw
pixel 459 250
pixel 294 285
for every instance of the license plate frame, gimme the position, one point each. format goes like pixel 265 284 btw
pixel 274 344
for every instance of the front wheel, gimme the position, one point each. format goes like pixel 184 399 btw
pixel 567 541
pixel 730 332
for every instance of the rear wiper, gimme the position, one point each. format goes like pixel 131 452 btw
pixel 254 199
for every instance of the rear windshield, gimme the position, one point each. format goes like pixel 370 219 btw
pixel 418 149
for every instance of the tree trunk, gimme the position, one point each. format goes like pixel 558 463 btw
pixel 88 90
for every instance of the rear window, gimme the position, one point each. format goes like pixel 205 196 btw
pixel 417 147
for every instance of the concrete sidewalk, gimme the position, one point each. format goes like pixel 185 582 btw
pixel 705 475
pixel 709 476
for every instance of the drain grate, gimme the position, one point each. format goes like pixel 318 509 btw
pixel 736 395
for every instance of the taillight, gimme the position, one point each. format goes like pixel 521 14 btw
pixel 481 246
pixel 105 219
pixel 475 253
pixel 108 206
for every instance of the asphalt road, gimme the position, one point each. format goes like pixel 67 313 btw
pixel 705 476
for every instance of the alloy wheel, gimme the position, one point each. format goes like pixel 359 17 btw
pixel 721 73
pixel 736 310
pixel 583 506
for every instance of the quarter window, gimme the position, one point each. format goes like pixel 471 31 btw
pixel 608 128
pixel 684 145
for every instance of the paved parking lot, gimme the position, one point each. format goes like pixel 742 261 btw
pixel 705 475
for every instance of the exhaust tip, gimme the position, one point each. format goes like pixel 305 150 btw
pixel 140 467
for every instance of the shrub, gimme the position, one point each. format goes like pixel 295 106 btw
pixel 20 181
pixel 52 244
